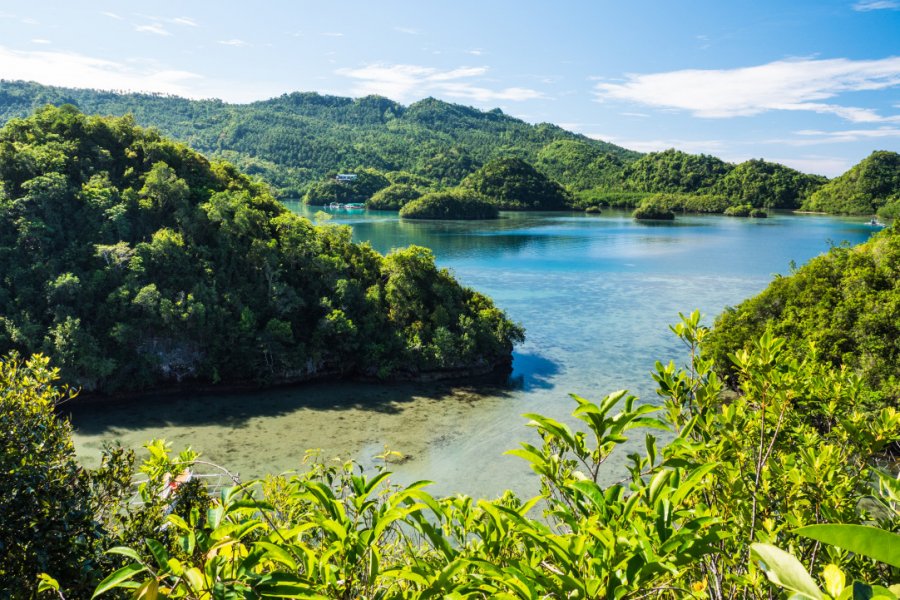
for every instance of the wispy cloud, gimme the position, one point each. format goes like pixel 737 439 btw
pixel 830 166
pixel 234 42
pixel 154 28
pixel 798 85
pixel 41 41
pixel 77 70
pixel 868 5
pixel 186 21
pixel 30 21
pixel 406 82
pixel 475 52
pixel 658 145
pixel 812 137
pixel 332 34
pixel 408 30
pixel 112 15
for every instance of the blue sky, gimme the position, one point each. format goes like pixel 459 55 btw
pixel 811 84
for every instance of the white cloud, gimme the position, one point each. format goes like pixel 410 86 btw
pixel 868 5
pixel 812 137
pixel 77 70
pixel 798 85
pixel 41 41
pixel 234 42
pixel 658 145
pixel 112 15
pixel 408 30
pixel 30 21
pixel 186 21
pixel 154 28
pixel 332 34
pixel 407 82
pixel 830 166
pixel 475 52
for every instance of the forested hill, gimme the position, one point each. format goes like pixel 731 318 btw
pixel 135 262
pixel 297 138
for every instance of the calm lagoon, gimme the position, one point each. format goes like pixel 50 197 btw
pixel 596 294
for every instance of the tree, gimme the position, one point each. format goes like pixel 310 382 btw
pixel 46 521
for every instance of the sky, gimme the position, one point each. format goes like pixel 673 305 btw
pixel 811 84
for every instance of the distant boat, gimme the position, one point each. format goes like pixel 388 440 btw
pixel 876 223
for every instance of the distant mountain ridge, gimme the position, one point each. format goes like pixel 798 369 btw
pixel 297 138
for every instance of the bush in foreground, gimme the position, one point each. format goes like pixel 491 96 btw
pixel 679 524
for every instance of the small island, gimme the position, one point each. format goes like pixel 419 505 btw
pixel 513 184
pixel 393 197
pixel 453 204
pixel 653 210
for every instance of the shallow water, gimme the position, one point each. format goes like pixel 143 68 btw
pixel 595 293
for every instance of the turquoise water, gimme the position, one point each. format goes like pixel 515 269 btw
pixel 595 293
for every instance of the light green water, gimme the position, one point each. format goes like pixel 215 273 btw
pixel 596 294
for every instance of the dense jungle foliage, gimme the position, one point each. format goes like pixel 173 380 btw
pixel 843 307
pixel 135 262
pixel 654 208
pixel 394 197
pixel 298 138
pixel 366 184
pixel 513 184
pixel 460 204
pixel 872 186
pixel 705 516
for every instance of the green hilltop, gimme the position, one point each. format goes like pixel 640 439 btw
pixel 135 262
pixel 299 142
pixel 298 138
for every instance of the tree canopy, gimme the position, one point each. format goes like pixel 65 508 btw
pixel 846 302
pixel 869 186
pixel 135 262
pixel 451 204
pixel 298 138
pixel 513 184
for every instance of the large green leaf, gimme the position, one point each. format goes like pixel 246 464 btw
pixel 786 571
pixel 117 578
pixel 864 540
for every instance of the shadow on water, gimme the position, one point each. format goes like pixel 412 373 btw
pixel 236 409
pixel 532 372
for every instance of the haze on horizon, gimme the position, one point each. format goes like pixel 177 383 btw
pixel 811 84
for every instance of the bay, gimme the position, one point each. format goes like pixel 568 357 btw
pixel 596 294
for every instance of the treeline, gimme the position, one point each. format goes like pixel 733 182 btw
pixel 136 262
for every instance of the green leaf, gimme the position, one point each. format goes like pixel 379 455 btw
pixel 121 576
pixel 125 551
pixel 864 540
pixel 785 570
pixel 159 553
